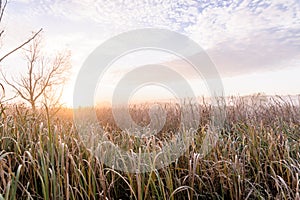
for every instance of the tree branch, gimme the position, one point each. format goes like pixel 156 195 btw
pixel 14 87
pixel 2 9
pixel 19 47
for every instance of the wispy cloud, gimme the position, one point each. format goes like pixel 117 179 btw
pixel 241 37
pixel 249 36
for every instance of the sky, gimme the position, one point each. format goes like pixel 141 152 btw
pixel 254 45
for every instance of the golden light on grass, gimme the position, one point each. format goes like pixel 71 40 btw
pixel 256 156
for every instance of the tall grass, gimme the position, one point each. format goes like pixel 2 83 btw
pixel 257 156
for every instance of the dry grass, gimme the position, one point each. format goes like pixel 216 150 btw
pixel 256 157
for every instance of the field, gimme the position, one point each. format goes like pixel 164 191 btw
pixel 257 156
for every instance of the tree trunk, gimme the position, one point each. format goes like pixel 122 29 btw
pixel 33 106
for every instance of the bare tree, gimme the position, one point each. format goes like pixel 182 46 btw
pixel 3 5
pixel 43 76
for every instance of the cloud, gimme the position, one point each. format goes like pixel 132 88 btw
pixel 257 53
pixel 118 15
pixel 249 36
pixel 240 36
